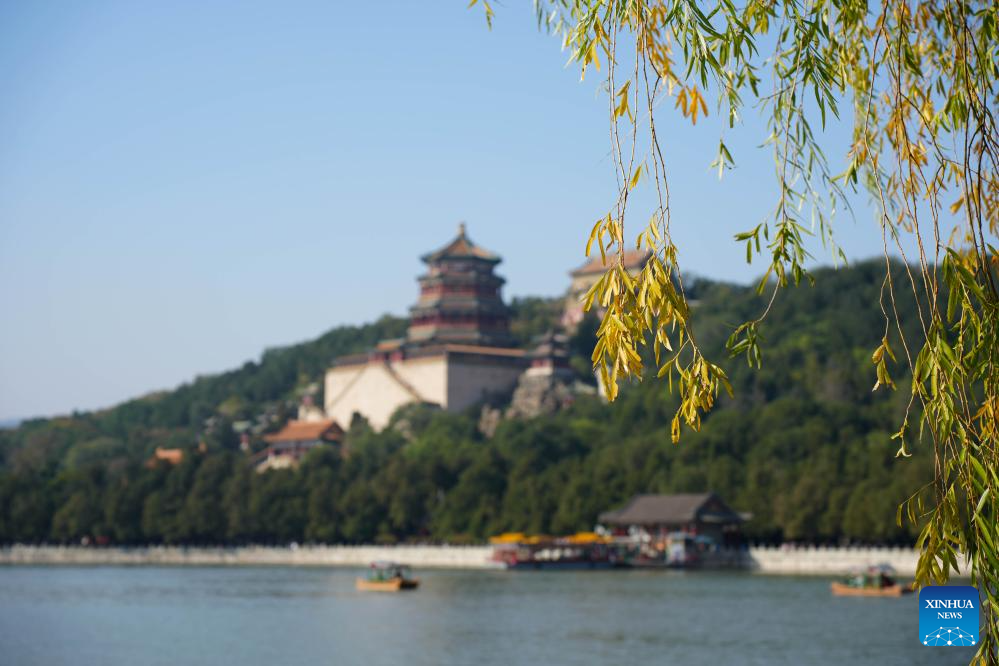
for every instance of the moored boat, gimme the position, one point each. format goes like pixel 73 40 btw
pixel 583 550
pixel 387 577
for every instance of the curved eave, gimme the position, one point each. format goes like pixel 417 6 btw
pixel 445 254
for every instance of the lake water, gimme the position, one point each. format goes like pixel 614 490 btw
pixel 279 616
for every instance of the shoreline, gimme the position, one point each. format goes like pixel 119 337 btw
pixel 778 560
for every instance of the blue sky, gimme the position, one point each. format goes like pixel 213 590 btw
pixel 184 184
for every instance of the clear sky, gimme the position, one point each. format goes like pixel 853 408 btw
pixel 184 184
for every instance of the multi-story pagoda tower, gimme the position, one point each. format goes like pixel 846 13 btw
pixel 458 351
pixel 460 300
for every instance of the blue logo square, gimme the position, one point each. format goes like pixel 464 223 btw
pixel 948 616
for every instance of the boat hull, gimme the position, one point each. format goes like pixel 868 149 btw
pixel 841 590
pixel 391 585
pixel 571 565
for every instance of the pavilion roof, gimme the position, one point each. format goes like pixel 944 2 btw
pixel 671 509
pixel 303 431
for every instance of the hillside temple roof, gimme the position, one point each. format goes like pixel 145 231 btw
pixel 306 431
pixel 633 260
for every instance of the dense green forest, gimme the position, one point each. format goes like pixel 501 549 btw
pixel 804 446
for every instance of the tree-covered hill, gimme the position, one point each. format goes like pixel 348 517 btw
pixel 804 445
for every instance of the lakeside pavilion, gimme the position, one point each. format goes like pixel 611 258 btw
pixel 654 518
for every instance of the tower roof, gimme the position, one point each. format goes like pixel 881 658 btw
pixel 461 248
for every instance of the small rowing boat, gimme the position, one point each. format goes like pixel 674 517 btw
pixel 876 581
pixel 844 590
pixel 387 577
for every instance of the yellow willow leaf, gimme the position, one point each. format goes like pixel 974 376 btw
pixel 703 103
pixel 622 108
pixel 605 379
pixel 616 322
pixel 664 339
pixel 634 177
pixel 695 105
pixel 654 227
pixel 598 351
pixel 887 346
pixel 878 354
pixel 592 55
pixel 633 355
pixel 629 284
pixel 681 102
pixel 597 229
pixel 642 237
pixel 622 105
pixel 617 229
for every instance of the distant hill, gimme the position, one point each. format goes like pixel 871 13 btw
pixel 804 445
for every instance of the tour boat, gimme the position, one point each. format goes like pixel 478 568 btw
pixel 877 581
pixel 583 550
pixel 387 577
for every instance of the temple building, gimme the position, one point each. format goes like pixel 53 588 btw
pixel 287 446
pixel 456 353
pixel 460 298
pixel 550 357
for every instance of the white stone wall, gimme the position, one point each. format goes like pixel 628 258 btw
pixel 373 391
pixel 377 389
pixel 470 381
pixel 427 375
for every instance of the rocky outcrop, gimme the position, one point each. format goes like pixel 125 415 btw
pixel 489 420
pixel 536 395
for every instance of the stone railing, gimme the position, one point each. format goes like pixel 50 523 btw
pixel 816 560
pixel 802 560
pixel 450 557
